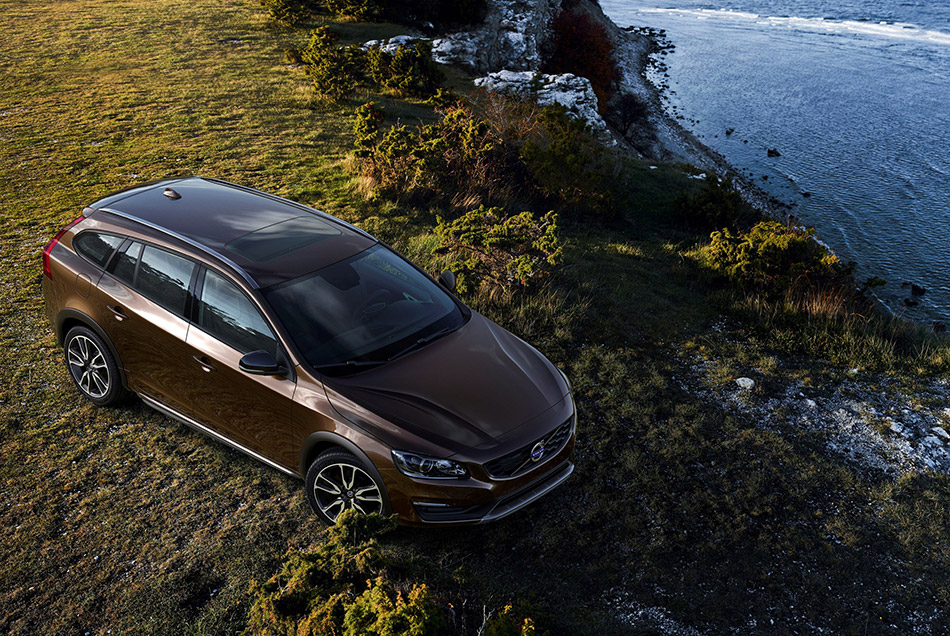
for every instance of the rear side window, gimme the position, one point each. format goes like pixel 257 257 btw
pixel 97 247
pixel 124 263
pixel 228 315
pixel 164 277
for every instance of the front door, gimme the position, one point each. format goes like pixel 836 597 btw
pixel 252 410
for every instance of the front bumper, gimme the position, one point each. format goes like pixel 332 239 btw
pixel 444 513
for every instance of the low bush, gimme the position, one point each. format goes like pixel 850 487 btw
pixel 352 585
pixel 335 70
pixel 410 70
pixel 581 46
pixel 369 119
pixel 490 249
pixel 344 588
pixel 569 165
pixel 287 12
pixel 771 257
pixel 629 110
pixel 359 9
pixel 715 206
pixel 458 158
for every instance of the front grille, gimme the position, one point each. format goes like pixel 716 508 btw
pixel 521 460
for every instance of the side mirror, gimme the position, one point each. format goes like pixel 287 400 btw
pixel 447 280
pixel 260 363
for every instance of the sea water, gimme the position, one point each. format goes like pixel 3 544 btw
pixel 855 97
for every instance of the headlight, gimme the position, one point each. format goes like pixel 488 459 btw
pixel 428 467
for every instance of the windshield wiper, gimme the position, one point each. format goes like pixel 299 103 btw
pixel 366 363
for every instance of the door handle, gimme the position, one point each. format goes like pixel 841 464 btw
pixel 117 311
pixel 206 365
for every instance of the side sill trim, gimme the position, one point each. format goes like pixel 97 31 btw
pixel 184 419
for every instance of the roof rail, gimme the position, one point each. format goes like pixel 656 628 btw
pixel 204 248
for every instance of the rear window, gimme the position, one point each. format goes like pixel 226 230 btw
pixel 124 263
pixel 97 247
pixel 164 277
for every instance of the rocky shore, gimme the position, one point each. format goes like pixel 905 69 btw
pixel 507 50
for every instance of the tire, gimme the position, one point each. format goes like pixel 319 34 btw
pixel 338 481
pixel 92 367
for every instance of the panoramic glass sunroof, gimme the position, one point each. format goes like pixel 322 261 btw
pixel 282 238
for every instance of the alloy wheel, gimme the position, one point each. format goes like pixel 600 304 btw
pixel 343 486
pixel 88 366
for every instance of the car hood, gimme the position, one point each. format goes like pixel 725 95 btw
pixel 469 390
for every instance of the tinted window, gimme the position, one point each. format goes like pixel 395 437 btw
pixel 228 315
pixel 164 277
pixel 365 309
pixel 97 247
pixel 123 265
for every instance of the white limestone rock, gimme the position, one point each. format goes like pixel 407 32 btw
pixel 941 433
pixel 391 44
pixel 746 384
pixel 573 92
pixel 511 36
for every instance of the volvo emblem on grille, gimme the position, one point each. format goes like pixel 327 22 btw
pixel 537 452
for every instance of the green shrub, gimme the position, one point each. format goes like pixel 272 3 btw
pixel 716 205
pixel 343 587
pixel 287 12
pixel 335 70
pixel 493 250
pixel 455 158
pixel 383 610
pixel 359 9
pixel 581 46
pixel 369 118
pixel 570 165
pixel 770 256
pixel 409 71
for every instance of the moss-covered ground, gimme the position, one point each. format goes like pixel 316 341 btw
pixel 122 520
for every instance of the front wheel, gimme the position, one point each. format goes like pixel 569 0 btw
pixel 338 481
pixel 92 367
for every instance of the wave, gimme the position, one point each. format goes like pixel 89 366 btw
pixel 893 30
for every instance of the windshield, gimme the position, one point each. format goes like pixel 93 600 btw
pixel 363 310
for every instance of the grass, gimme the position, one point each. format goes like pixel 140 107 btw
pixel 119 519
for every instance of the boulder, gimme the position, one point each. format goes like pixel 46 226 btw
pixel 391 44
pixel 941 433
pixel 573 92
pixel 746 384
pixel 773 152
pixel 510 37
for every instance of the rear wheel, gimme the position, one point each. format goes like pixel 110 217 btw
pixel 92 367
pixel 338 481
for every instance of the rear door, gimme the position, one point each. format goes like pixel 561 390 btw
pixel 145 298
pixel 252 410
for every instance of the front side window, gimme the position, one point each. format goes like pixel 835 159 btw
pixel 228 315
pixel 164 277
pixel 97 247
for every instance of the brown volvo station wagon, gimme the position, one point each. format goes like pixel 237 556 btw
pixel 308 344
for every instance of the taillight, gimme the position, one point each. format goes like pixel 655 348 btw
pixel 49 248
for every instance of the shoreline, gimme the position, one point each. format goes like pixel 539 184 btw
pixel 675 143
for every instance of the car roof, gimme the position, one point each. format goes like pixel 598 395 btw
pixel 271 239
